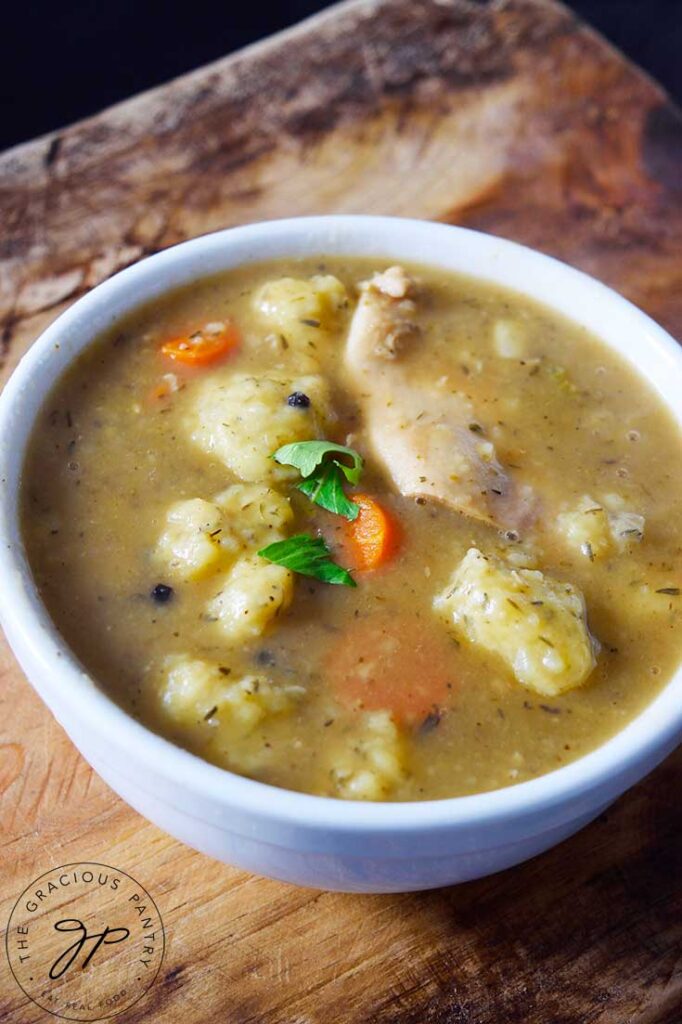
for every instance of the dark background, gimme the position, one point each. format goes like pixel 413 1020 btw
pixel 60 61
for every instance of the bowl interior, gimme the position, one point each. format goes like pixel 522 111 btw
pixel 74 696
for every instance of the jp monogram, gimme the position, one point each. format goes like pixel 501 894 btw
pixel 85 941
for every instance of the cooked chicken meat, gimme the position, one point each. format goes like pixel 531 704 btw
pixel 430 440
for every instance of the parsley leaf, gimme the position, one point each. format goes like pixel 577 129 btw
pixel 306 456
pixel 308 556
pixel 325 488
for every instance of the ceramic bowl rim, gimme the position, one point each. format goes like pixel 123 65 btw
pixel 69 690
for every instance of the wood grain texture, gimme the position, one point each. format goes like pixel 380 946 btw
pixel 508 116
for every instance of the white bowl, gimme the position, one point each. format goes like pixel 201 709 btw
pixel 316 841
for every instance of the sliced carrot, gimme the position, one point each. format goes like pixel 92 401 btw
pixel 204 347
pixel 395 663
pixel 374 537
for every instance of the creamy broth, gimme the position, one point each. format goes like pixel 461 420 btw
pixel 575 431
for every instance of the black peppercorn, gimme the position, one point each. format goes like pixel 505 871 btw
pixel 298 400
pixel 162 593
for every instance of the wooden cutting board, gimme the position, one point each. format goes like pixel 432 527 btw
pixel 510 116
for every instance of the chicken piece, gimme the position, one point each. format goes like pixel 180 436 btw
pixel 429 439
pixel 382 325
pixel 534 623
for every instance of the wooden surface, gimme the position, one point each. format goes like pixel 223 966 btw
pixel 510 116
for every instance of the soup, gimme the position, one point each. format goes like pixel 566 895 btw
pixel 370 532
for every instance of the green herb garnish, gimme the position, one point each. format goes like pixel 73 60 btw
pixel 324 478
pixel 325 488
pixel 306 456
pixel 308 556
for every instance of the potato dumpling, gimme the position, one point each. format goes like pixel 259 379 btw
pixel 189 546
pixel 372 763
pixel 200 536
pixel 598 529
pixel 536 624
pixel 251 595
pixel 296 307
pixel 242 419
pixel 254 513
pixel 195 690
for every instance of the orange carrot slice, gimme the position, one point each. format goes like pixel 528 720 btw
pixel 374 537
pixel 397 663
pixel 205 347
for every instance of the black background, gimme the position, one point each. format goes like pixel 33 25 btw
pixel 61 61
